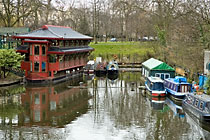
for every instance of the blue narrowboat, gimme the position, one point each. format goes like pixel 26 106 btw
pixel 155 87
pixel 112 68
pixel 198 105
pixel 178 87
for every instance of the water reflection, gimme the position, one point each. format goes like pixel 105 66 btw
pixel 175 107
pixel 43 107
pixel 157 103
pixel 53 106
pixel 96 108
pixel 198 129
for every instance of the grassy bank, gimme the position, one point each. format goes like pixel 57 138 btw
pixel 124 51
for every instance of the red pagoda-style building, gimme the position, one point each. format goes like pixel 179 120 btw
pixel 53 53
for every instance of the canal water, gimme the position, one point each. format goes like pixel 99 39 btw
pixel 94 108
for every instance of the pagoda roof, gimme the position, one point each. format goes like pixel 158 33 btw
pixel 54 32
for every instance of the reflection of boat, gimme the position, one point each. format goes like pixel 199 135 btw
pixel 157 103
pixel 100 69
pixel 198 105
pixel 155 87
pixel 176 108
pixel 112 68
pixel 178 87
pixel 199 130
pixel 112 76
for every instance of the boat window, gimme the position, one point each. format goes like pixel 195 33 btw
pixel 171 87
pixel 184 88
pixel 196 102
pixel 158 86
pixel 188 99
pixel 201 105
pixel 178 89
pixel 208 105
pixel 174 88
pixel 165 84
pixel 151 85
pixel 167 76
pixel 157 75
pixel 192 100
pixel 36 50
pixel 162 76
pixel 36 66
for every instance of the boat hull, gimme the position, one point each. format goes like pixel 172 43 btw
pixel 155 93
pixel 175 95
pixel 100 73
pixel 54 80
pixel 203 117
pixel 112 72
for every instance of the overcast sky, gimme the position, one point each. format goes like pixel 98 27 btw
pixel 75 2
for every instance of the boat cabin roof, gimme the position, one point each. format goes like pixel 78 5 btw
pixel 202 97
pixel 178 80
pixel 155 80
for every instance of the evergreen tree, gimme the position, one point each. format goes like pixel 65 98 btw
pixel 9 59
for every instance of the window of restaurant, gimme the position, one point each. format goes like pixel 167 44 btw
pixel 36 66
pixel 52 58
pixel 36 50
pixel 43 66
pixel 43 50
pixel 31 50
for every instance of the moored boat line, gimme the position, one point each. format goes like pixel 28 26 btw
pixel 198 105
pixel 177 87
pixel 155 87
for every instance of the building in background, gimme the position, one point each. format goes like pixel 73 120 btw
pixel 6 34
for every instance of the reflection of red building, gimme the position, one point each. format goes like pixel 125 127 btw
pixel 53 52
pixel 53 106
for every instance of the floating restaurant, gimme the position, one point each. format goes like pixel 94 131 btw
pixel 53 53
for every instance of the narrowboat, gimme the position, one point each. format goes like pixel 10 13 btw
pixel 100 69
pixel 89 68
pixel 198 105
pixel 155 87
pixel 177 87
pixel 112 67
pixel 53 53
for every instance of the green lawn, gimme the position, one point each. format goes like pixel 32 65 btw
pixel 125 51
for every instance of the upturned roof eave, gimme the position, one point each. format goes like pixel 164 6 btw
pixel 50 38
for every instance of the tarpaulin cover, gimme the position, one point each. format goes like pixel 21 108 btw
pixel 202 80
pixel 154 64
pixel 163 66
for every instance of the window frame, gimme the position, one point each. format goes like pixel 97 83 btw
pixel 35 49
pixel 35 67
pixel 44 50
